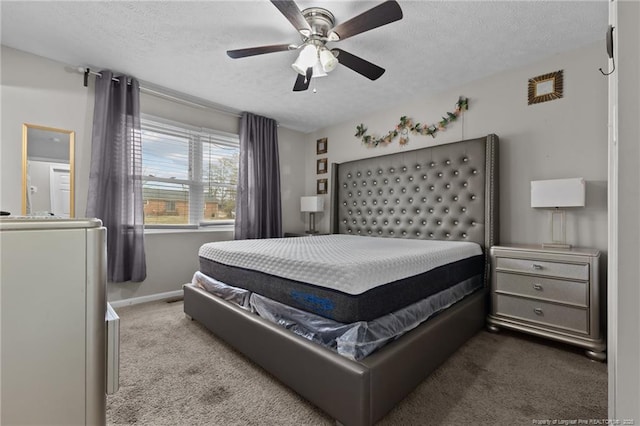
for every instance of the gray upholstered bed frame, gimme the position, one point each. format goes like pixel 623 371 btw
pixel 444 192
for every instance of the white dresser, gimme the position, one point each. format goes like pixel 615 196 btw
pixel 59 353
pixel 551 293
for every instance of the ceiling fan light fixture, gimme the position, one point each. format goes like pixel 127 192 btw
pixel 328 61
pixel 307 58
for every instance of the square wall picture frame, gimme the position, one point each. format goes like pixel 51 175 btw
pixel 321 146
pixel 321 186
pixel 546 87
pixel 321 166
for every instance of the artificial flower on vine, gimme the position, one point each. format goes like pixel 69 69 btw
pixel 407 125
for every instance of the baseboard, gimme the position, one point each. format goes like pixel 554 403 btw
pixel 149 298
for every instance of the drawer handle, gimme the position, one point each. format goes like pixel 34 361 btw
pixel 537 287
pixel 538 311
pixel 536 266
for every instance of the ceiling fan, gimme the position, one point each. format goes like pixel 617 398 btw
pixel 317 27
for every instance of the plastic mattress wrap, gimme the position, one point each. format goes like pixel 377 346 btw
pixel 235 295
pixel 359 339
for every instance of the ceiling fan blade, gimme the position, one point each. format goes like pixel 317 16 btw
pixel 383 14
pixel 251 51
pixel 359 65
pixel 290 10
pixel 302 82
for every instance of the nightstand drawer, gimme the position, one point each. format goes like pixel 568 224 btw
pixel 555 269
pixel 566 317
pixel 574 292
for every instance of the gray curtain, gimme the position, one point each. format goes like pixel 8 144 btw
pixel 258 210
pixel 115 185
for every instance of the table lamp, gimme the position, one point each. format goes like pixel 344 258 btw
pixel 312 204
pixel 558 194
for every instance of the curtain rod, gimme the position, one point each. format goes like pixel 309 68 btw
pixel 161 93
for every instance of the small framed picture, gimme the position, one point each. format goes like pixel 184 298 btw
pixel 546 87
pixel 321 146
pixel 321 166
pixel 321 186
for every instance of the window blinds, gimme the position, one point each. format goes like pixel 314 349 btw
pixel 189 174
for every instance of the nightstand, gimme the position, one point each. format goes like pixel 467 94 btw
pixel 550 293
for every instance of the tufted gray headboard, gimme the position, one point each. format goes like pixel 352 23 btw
pixel 443 192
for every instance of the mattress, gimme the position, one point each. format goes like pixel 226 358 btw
pixel 358 340
pixel 352 340
pixel 346 278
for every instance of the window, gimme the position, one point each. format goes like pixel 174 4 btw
pixel 189 175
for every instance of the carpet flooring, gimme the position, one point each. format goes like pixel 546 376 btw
pixel 173 371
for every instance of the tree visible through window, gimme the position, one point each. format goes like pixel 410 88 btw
pixel 189 175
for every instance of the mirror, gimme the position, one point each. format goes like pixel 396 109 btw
pixel 47 171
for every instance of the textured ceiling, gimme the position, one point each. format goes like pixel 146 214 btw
pixel 181 46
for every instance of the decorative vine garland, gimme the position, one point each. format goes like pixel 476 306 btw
pixel 406 125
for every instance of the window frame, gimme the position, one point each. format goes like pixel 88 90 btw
pixel 198 136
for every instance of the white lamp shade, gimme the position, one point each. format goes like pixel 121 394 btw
pixel 311 204
pixel 558 193
pixel 327 60
pixel 307 58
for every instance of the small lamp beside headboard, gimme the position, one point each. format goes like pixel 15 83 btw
pixel 312 204
pixel 558 194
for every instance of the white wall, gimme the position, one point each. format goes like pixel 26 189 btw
pixel 557 139
pixel 624 369
pixel 40 91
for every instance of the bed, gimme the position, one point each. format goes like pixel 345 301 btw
pixel 441 193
